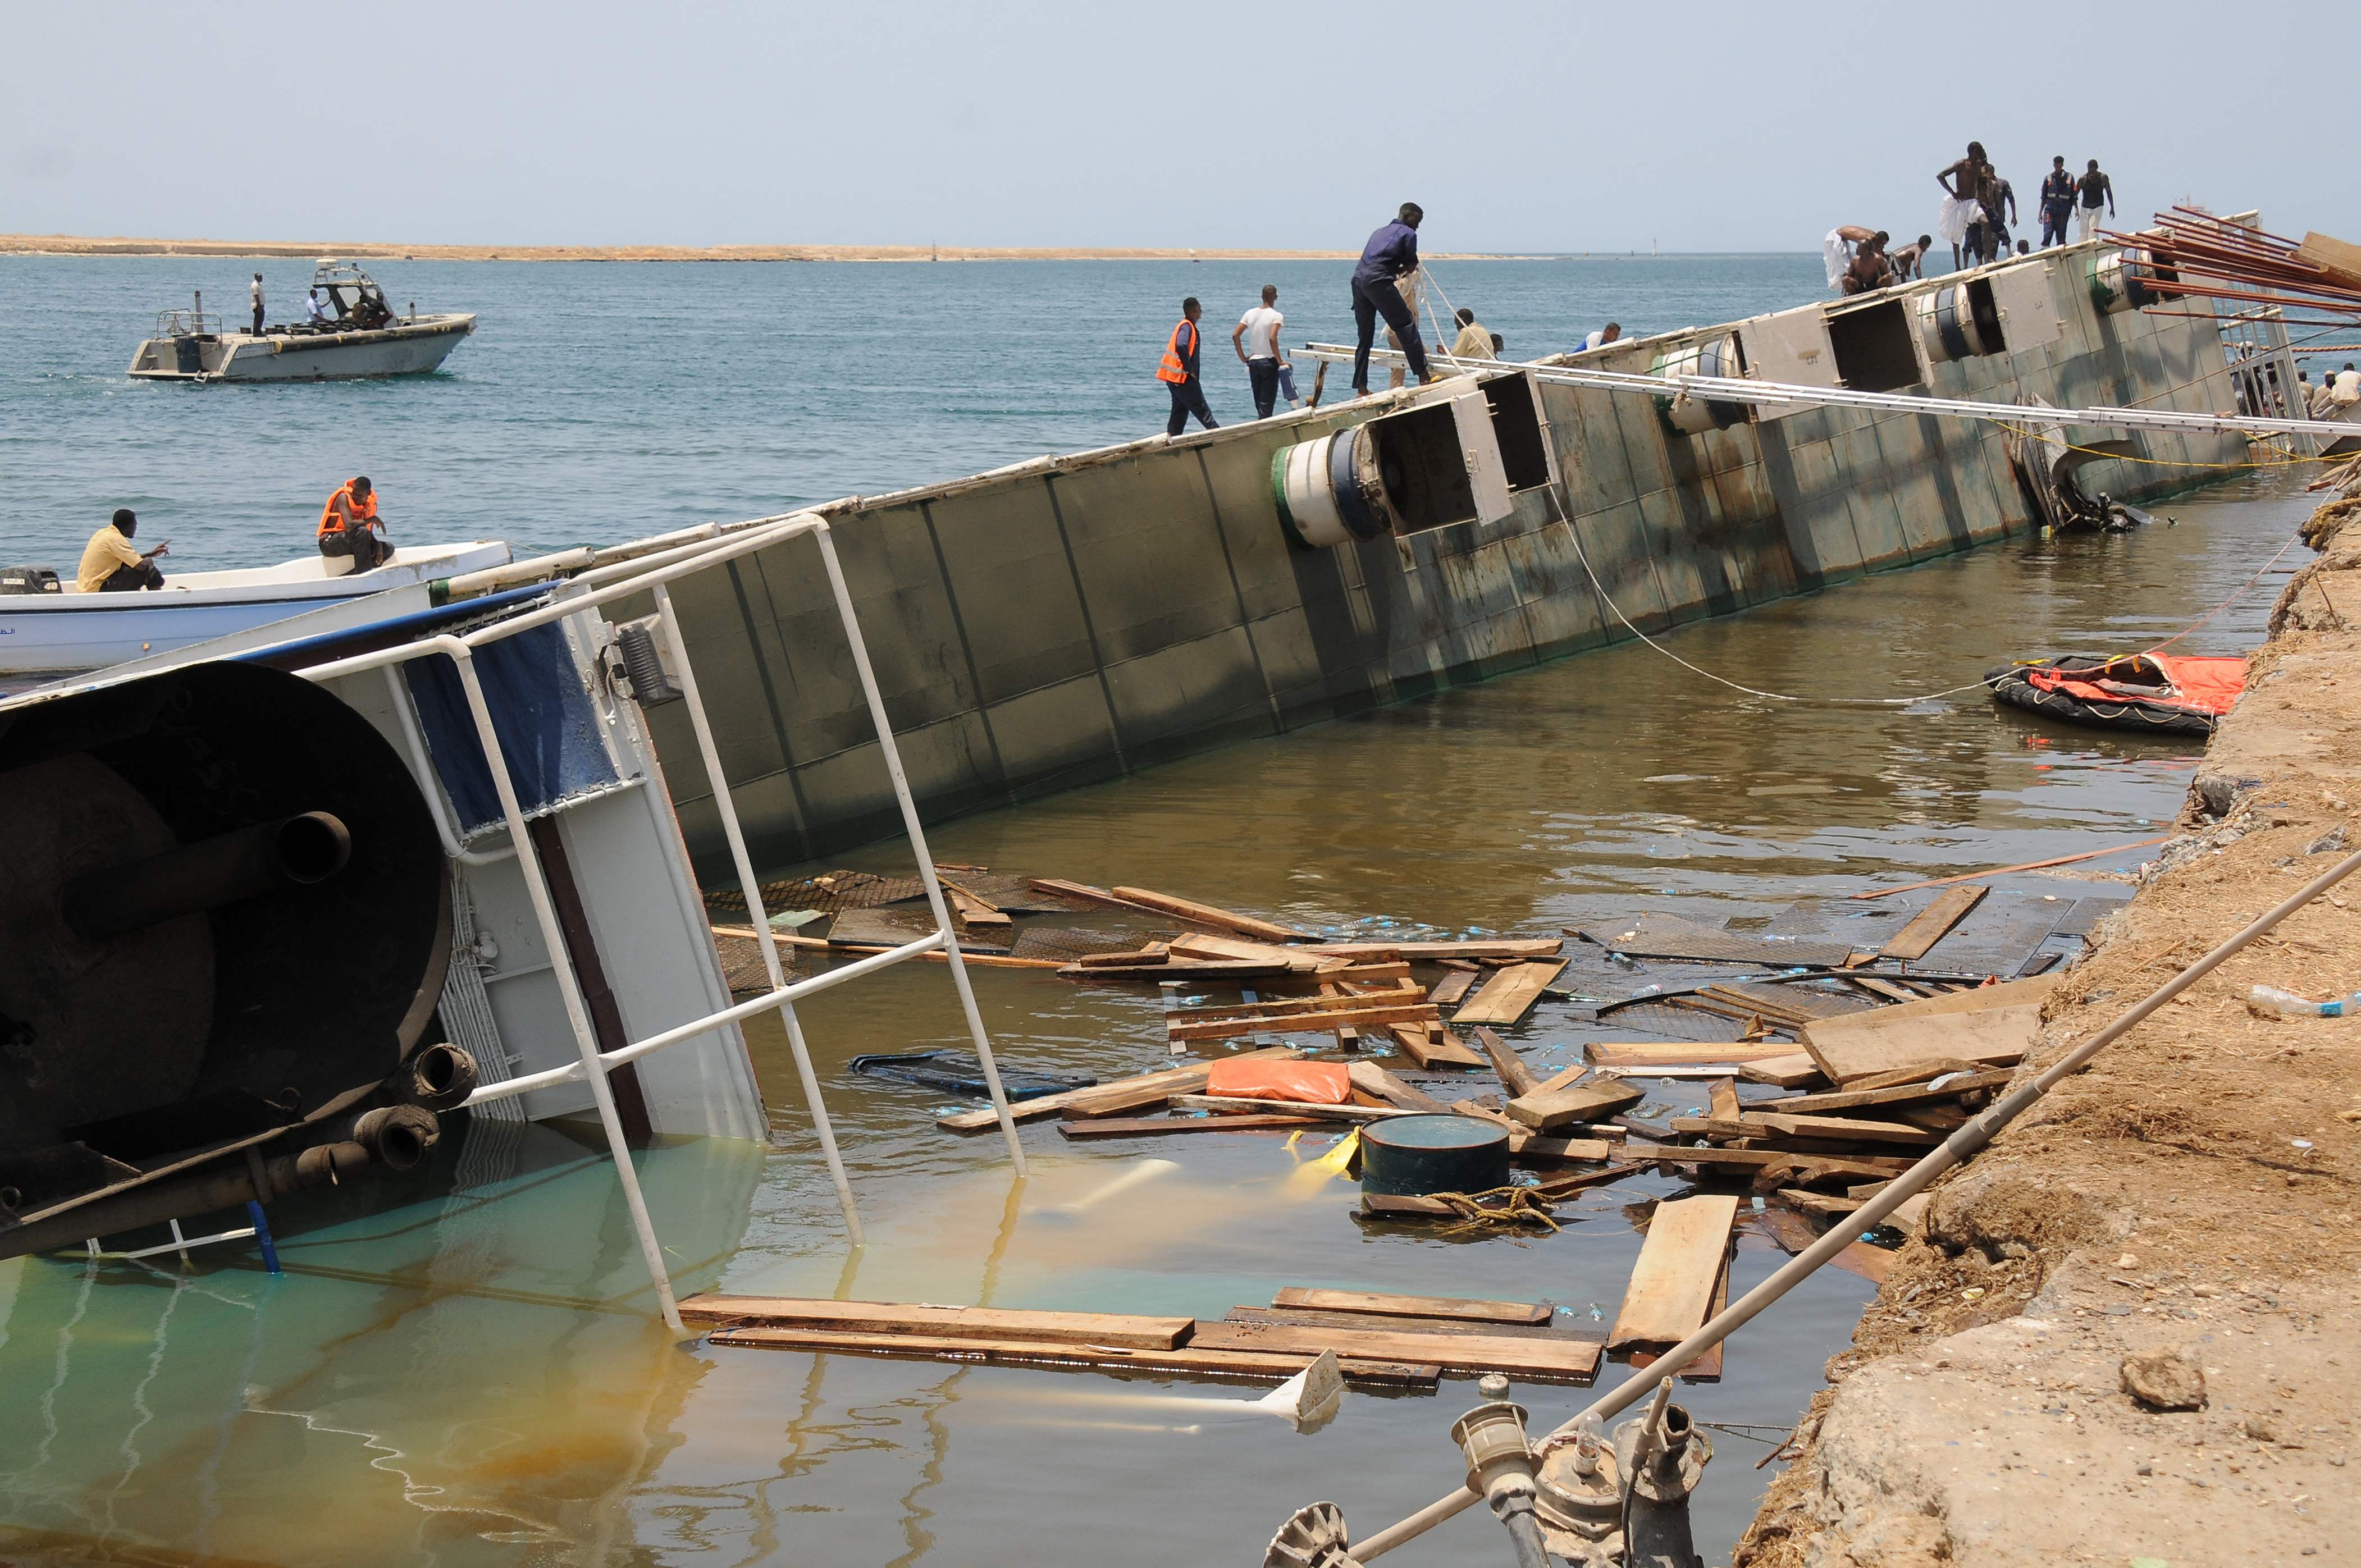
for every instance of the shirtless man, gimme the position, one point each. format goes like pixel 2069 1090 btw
pixel 1871 267
pixel 1962 185
pixel 1910 261
pixel 1838 247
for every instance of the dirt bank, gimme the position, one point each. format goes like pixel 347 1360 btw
pixel 2191 1200
pixel 375 250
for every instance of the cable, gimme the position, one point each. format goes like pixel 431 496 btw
pixel 1574 533
pixel 2292 539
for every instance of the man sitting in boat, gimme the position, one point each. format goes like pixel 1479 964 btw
pixel 109 564
pixel 316 309
pixel 351 537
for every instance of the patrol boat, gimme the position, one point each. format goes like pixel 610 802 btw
pixel 362 338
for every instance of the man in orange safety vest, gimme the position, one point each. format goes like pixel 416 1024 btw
pixel 1180 372
pixel 351 537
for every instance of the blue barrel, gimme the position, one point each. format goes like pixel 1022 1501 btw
pixel 1410 1157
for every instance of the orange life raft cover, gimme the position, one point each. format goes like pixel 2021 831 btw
pixel 1305 1082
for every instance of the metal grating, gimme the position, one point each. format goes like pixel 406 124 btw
pixel 742 966
pixel 829 894
pixel 1056 942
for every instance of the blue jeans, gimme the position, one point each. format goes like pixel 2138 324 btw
pixel 1189 398
pixel 1371 301
pixel 1262 374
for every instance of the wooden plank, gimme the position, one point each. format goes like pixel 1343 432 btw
pixel 1161 971
pixel 1296 1007
pixel 1154 953
pixel 1932 923
pixel 1901 1094
pixel 1084 893
pixel 1434 1047
pixel 1231 1027
pixel 1794 1070
pixel 1293 1316
pixel 1556 1187
pixel 1459 1309
pixel 1108 1099
pixel 1490 948
pixel 1680 1262
pixel 1840 1129
pixel 1509 996
pixel 1542 1361
pixel 1860 1166
pixel 940 1322
pixel 1705 1367
pixel 1211 914
pixel 1224 1104
pixel 1885 988
pixel 1386 1206
pixel 1991 1026
pixel 1684 1053
pixel 1790 996
pixel 1722 1098
pixel 1515 1076
pixel 1371 1078
pixel 1201 945
pixel 1820 1205
pixel 1453 987
pixel 1592 1102
pixel 1160 1126
pixel 1186 1361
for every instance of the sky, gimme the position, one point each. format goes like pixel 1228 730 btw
pixel 1520 128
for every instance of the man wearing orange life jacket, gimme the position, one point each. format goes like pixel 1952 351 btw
pixel 351 537
pixel 1180 372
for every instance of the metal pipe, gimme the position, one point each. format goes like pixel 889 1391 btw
pixel 225 1186
pixel 769 939
pixel 572 1071
pixel 294 852
pixel 569 985
pixel 1959 1147
pixel 884 726
pixel 1745 389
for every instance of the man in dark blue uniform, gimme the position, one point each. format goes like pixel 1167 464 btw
pixel 1391 252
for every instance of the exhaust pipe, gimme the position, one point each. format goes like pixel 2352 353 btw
pixel 396 1136
pixel 435 1078
pixel 295 851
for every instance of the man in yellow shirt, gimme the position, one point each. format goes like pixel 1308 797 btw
pixel 109 564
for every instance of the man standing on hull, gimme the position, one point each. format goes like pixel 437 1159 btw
pixel 1255 337
pixel 2057 202
pixel 255 288
pixel 2097 190
pixel 1391 252
pixel 1181 372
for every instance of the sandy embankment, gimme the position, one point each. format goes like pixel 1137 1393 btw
pixel 2193 1192
pixel 374 250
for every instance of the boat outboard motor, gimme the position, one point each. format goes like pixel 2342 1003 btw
pixel 228 913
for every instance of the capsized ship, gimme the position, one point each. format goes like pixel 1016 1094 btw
pixel 361 338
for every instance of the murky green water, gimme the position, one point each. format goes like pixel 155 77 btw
pixel 478 1381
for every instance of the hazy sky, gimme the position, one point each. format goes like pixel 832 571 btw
pixel 1285 123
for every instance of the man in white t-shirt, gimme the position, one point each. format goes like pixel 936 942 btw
pixel 1255 338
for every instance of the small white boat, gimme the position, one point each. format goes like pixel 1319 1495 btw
pixel 64 631
pixel 362 340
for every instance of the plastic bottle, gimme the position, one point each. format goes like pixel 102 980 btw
pixel 2270 999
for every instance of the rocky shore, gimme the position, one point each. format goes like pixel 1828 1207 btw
pixel 2129 1333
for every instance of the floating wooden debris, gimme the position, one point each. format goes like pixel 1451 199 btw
pixel 1184 1361
pixel 1664 1053
pixel 1932 923
pixel 1455 1307
pixel 942 1322
pixel 1225 1105
pixel 1680 1264
pixel 1992 1025
pixel 1209 914
pixel 1548 1110
pixel 1898 1096
pixel 1793 1071
pixel 1462 1349
pixel 1509 996
pixel 1514 1075
pixel 1106 1099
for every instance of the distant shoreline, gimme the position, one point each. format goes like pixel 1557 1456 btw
pixel 79 244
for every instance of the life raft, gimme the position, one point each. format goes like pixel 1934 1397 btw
pixel 2147 692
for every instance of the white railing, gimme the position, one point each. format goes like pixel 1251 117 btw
pixel 649 575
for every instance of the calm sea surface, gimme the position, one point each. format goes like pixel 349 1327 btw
pixel 473 1379
pixel 601 402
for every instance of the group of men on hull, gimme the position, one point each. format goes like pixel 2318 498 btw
pixel 351 539
pixel 1387 261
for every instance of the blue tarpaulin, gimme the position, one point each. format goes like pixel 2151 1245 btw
pixel 548 730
